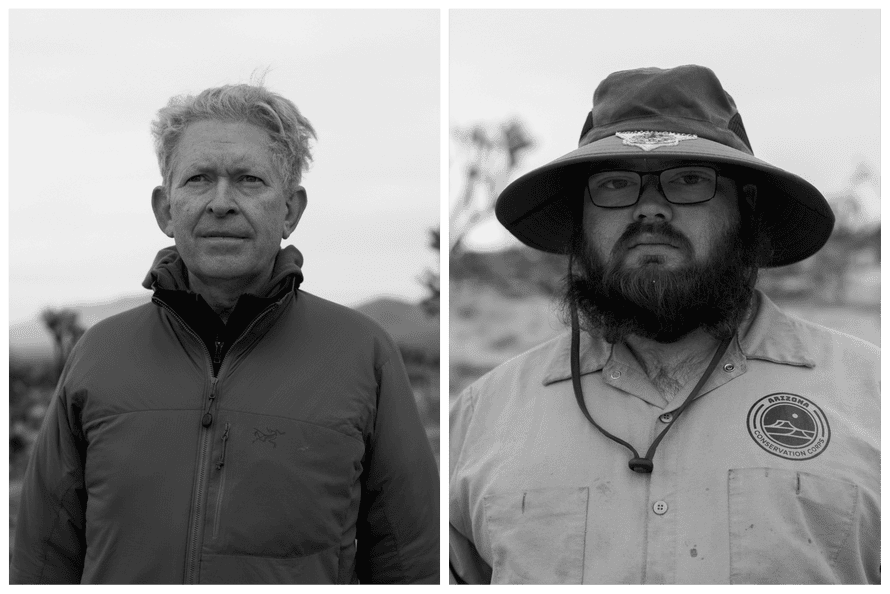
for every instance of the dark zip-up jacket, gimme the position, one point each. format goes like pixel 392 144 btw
pixel 302 459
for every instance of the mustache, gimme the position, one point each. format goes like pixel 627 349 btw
pixel 661 230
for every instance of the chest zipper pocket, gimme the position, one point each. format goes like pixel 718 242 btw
pixel 221 467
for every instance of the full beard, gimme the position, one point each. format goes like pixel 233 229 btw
pixel 659 304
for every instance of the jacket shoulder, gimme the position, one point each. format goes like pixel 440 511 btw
pixel 135 314
pixel 326 322
pixel 119 327
pixel 333 315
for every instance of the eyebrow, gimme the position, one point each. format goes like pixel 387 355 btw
pixel 238 165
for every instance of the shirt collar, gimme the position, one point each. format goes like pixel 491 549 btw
pixel 168 272
pixel 772 336
pixel 776 336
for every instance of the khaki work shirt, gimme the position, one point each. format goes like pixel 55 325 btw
pixel 772 476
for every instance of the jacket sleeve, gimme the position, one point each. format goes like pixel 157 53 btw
pixel 50 539
pixel 398 525
pixel 466 566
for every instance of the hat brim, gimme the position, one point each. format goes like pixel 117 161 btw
pixel 538 207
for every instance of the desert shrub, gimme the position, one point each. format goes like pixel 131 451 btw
pixel 31 384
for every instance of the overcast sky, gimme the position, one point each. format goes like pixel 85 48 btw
pixel 807 82
pixel 85 85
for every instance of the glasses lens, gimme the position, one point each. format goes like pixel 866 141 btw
pixel 687 185
pixel 611 189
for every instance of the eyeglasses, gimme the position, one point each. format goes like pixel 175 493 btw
pixel 679 185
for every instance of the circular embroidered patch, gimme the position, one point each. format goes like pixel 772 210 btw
pixel 789 426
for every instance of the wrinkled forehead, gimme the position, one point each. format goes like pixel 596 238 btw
pixel 224 143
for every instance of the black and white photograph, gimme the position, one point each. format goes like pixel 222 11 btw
pixel 664 309
pixel 637 246
pixel 224 296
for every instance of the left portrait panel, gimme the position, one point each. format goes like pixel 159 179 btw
pixel 223 296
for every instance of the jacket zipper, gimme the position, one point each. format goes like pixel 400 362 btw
pixel 191 554
pixel 222 481
pixel 192 547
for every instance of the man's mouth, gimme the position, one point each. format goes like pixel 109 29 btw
pixel 651 241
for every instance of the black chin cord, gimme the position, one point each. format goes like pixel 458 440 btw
pixel 637 464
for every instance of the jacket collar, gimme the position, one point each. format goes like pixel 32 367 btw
pixel 772 336
pixel 168 272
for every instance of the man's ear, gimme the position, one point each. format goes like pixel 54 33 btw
pixel 160 204
pixel 295 205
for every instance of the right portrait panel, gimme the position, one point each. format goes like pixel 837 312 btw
pixel 664 278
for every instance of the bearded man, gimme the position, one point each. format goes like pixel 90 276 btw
pixel 237 429
pixel 685 430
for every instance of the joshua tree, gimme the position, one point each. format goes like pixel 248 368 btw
pixel 65 330
pixel 493 158
pixel 430 280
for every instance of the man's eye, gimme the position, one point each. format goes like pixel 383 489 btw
pixel 196 178
pixel 614 182
pixel 691 177
pixel 251 179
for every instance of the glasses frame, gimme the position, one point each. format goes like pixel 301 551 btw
pixel 658 185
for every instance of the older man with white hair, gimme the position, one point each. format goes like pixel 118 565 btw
pixel 237 429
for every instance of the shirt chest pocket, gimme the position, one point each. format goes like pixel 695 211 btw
pixel 787 527
pixel 537 536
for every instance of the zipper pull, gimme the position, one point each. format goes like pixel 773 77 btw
pixel 222 458
pixel 207 419
pixel 217 355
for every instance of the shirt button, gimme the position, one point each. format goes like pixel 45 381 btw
pixel 660 508
pixel 666 418
pixel 615 374
pixel 728 367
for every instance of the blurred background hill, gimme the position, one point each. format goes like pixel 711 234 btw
pixel 31 339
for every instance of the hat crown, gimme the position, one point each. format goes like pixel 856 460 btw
pixel 686 99
pixel 540 208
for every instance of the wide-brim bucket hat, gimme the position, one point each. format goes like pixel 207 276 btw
pixel 678 114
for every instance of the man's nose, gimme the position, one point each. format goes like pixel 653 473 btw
pixel 652 204
pixel 223 200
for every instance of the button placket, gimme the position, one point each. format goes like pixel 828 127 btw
pixel 661 511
